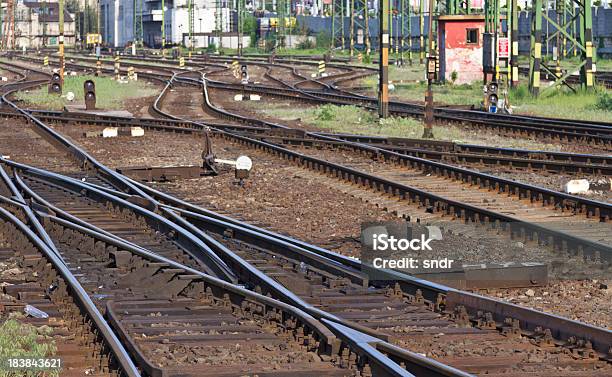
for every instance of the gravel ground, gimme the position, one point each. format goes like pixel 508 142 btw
pixel 587 300
pixel 302 206
pixel 553 181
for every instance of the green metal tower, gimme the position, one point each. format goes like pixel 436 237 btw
pixel 337 30
pixel 359 22
pixel 138 28
pixel 241 14
pixel 405 29
pixel 281 15
pixel 218 22
pixel 582 43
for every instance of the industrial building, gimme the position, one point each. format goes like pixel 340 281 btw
pixel 34 24
pixel 119 25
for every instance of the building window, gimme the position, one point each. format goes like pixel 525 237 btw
pixel 471 36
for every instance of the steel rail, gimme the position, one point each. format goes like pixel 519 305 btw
pixel 530 321
pixel 535 194
pixel 145 207
pixel 457 114
pixel 188 242
pixel 333 340
pixel 82 299
pixel 454 153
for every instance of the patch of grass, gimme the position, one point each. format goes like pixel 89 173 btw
pixel 443 94
pixel 399 75
pixel 604 102
pixel 21 340
pixel 557 103
pixel 109 93
pixel 355 120
pixel 563 103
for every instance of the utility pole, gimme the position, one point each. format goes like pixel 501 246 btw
pixel 383 64
pixel 163 30
pixel 86 21
pixel 61 42
pixel 431 75
pixel 45 15
pixel 514 45
pixel 240 5
pixel 422 31
pixel 352 28
pixel 77 26
pixel 191 22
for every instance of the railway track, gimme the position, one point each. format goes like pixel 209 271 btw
pixel 256 257
pixel 451 152
pixel 550 129
pixel 173 320
pixel 81 338
pixel 421 301
pixel 117 225
pixel 494 202
pixel 462 154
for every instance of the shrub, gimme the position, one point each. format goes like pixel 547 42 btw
pixel 323 39
pixel 604 102
pixel 306 44
pixel 519 93
pixel 326 113
pixel 454 77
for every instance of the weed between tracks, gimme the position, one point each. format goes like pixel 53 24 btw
pixel 355 120
pixel 21 340
pixel 109 93
pixel 556 103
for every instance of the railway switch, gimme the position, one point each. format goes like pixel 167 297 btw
pixel 89 90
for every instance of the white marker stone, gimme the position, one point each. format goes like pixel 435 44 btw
pixel 137 131
pixel 110 132
pixel 576 186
